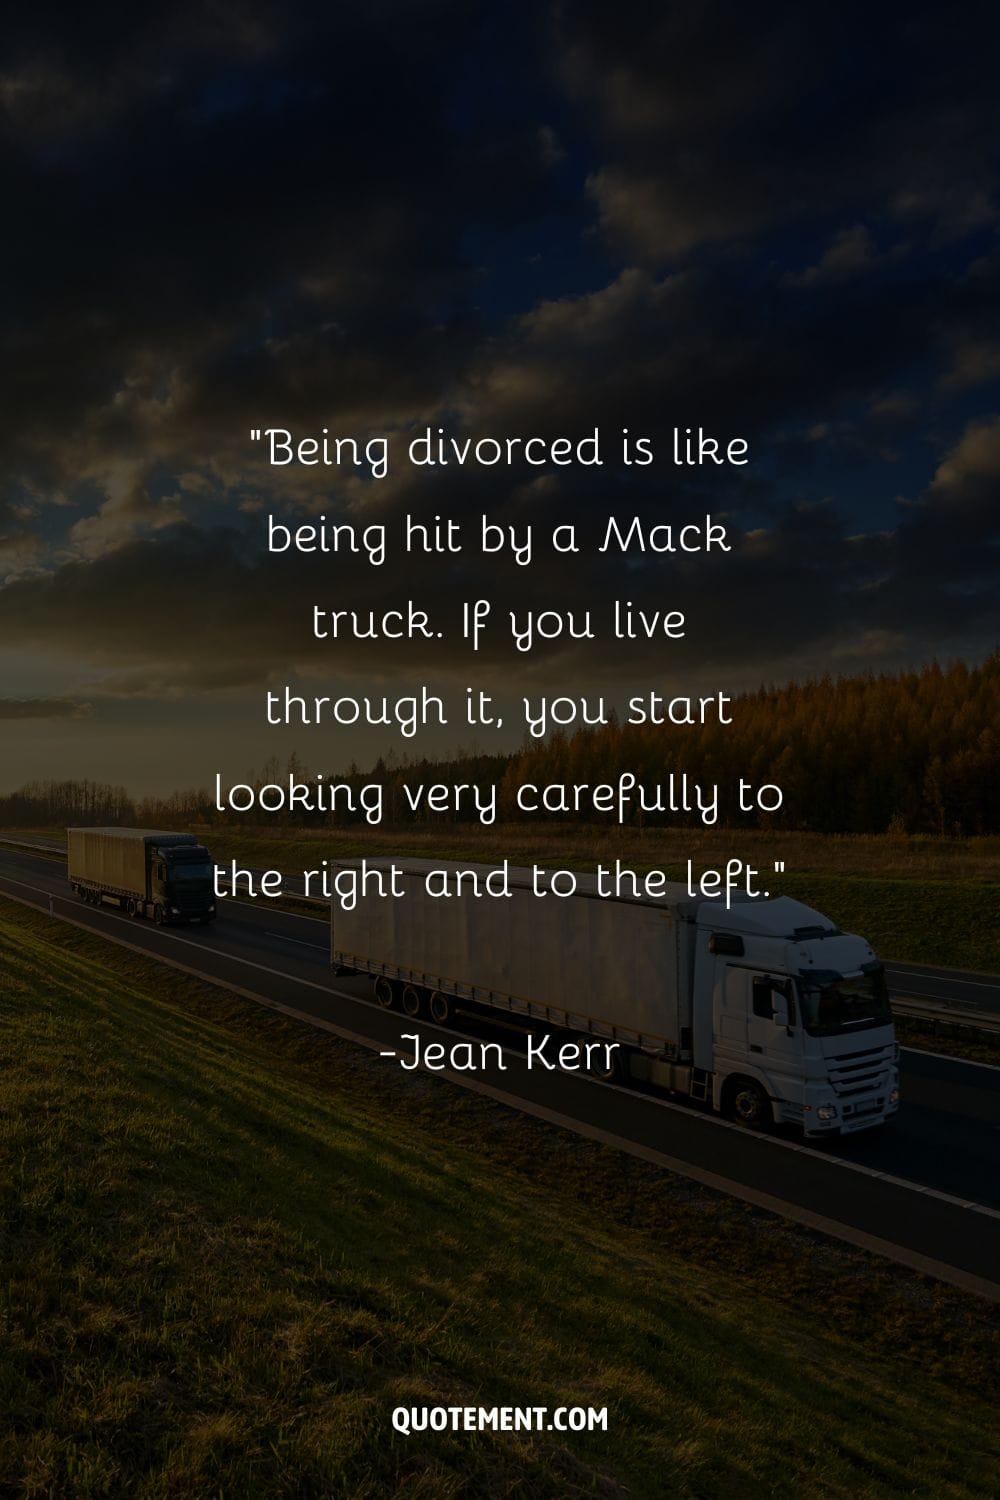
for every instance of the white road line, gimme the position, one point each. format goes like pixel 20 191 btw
pixel 174 938
pixel 665 1104
pixel 836 1229
pixel 300 941
pixel 990 983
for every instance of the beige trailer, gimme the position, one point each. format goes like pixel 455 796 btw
pixel 147 872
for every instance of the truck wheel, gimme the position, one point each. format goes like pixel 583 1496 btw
pixel 747 1104
pixel 130 906
pixel 610 1068
pixel 385 993
pixel 441 1008
pixel 412 1001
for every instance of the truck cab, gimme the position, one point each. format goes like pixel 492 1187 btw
pixel 182 882
pixel 793 1022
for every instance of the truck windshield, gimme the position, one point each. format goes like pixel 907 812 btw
pixel 187 872
pixel 845 1004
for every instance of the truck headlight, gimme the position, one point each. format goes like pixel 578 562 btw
pixel 175 911
pixel 826 1112
pixel 894 1096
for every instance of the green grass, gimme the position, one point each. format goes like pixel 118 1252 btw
pixel 951 923
pixel 950 1038
pixel 232 1244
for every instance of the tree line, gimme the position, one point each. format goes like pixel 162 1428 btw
pixel 54 804
pixel 907 752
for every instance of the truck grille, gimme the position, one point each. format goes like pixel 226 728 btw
pixel 860 1072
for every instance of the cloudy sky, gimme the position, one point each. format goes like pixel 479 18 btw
pixel 779 223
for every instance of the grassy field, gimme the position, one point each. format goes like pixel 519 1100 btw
pixel 923 900
pixel 231 1245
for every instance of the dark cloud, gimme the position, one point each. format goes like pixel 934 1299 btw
pixel 44 708
pixel 222 236
pixel 205 611
pixel 721 123
pixel 775 222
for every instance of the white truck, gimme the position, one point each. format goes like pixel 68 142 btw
pixel 764 1010
pixel 148 873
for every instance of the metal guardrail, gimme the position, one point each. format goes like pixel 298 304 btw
pixel 940 1013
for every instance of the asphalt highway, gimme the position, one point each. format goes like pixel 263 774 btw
pixel 946 989
pixel 926 1190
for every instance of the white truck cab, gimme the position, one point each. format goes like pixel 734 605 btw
pixel 761 1008
pixel 792 1019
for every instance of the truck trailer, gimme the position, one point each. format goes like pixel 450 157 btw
pixel 166 876
pixel 762 1009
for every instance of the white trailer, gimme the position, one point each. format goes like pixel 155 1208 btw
pixel 765 1009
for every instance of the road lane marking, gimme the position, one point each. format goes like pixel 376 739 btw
pixel 166 933
pixel 836 1229
pixel 300 941
pixel 715 1121
pixel 991 982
